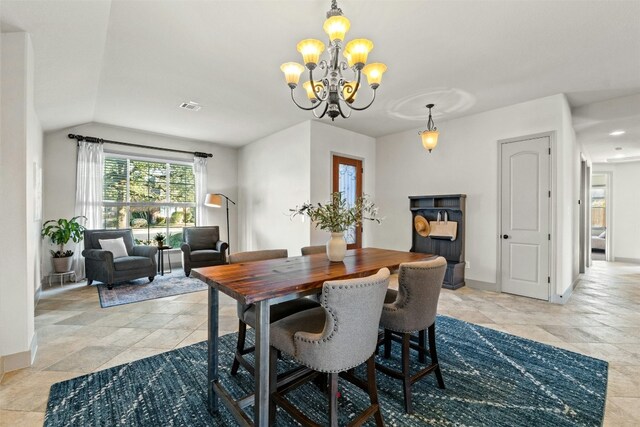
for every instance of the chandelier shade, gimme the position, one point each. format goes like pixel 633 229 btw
pixel 336 27
pixel 310 50
pixel 292 71
pixel 333 92
pixel 374 73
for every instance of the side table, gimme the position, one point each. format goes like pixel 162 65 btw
pixel 161 250
pixel 71 274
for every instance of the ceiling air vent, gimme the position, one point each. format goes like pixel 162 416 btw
pixel 191 106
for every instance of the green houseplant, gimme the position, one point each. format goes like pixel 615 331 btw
pixel 159 238
pixel 337 216
pixel 60 232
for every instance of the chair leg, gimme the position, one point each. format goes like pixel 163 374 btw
pixel 242 334
pixel 89 282
pixel 387 343
pixel 422 343
pixel 333 399
pixel 434 355
pixel 373 390
pixel 406 374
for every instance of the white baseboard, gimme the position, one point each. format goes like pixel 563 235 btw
pixel 629 260
pixel 564 298
pixel 480 285
pixel 24 359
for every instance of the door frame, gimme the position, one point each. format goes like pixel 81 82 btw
pixel 332 183
pixel 609 255
pixel 552 211
pixel 584 233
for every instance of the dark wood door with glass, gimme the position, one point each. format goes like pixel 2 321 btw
pixel 347 179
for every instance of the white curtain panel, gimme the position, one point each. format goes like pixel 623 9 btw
pixel 200 172
pixel 89 180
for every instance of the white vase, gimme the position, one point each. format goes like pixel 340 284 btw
pixel 336 247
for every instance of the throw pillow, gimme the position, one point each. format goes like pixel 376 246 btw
pixel 115 246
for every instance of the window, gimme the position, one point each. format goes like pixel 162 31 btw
pixel 150 197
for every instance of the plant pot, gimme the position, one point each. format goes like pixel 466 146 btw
pixel 62 265
pixel 336 247
pixel 160 243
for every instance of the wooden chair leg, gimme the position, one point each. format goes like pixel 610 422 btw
pixel 422 343
pixel 242 334
pixel 387 343
pixel 434 355
pixel 333 399
pixel 373 390
pixel 406 374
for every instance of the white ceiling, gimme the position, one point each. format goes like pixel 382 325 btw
pixel 130 63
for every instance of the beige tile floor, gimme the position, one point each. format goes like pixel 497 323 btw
pixel 76 336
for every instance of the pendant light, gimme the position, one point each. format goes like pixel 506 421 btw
pixel 430 135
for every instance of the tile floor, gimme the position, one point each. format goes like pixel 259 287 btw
pixel 76 336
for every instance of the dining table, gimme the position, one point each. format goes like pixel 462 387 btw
pixel 269 282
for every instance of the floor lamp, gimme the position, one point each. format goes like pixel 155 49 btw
pixel 214 200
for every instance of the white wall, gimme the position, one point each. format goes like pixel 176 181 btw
pixel 625 196
pixel 273 177
pixel 21 148
pixel 465 161
pixel 60 169
pixel 327 140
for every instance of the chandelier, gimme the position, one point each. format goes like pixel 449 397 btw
pixel 333 93
pixel 430 135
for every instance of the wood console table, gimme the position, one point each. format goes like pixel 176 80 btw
pixel 264 283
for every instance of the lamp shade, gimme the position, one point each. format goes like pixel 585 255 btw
pixel 336 27
pixel 429 139
pixel 213 200
pixel 292 71
pixel 359 50
pixel 374 73
pixel 310 50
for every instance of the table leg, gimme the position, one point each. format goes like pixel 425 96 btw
pixel 261 407
pixel 159 258
pixel 212 349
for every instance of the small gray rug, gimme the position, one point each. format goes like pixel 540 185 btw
pixel 141 290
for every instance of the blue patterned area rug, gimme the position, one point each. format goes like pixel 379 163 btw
pixel 492 379
pixel 174 283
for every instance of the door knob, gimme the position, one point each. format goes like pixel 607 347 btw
pixel 505 236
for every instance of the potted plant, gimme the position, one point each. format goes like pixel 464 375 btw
pixel 159 238
pixel 60 232
pixel 337 216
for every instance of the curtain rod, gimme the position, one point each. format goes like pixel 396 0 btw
pixel 79 138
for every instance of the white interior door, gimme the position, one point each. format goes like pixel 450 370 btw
pixel 525 186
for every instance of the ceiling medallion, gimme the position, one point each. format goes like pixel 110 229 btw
pixel 333 94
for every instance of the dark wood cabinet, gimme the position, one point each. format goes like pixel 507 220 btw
pixel 452 251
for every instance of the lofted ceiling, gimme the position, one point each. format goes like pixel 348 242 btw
pixel 131 63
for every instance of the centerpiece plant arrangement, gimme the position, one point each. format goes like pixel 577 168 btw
pixel 337 216
pixel 159 238
pixel 60 232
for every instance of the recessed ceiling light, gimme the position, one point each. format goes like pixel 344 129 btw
pixel 618 148
pixel 617 133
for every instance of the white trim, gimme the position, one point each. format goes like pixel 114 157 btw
pixel 628 260
pixel 480 285
pixel 552 214
pixel 23 359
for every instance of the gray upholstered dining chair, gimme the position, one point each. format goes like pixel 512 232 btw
pixel 202 247
pixel 100 264
pixel 412 308
pixel 333 339
pixel 247 313
pixel 310 250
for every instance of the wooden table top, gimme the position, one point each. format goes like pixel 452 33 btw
pixel 252 282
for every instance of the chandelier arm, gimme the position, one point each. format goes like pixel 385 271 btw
pixel 367 106
pixel 342 114
pixel 356 89
pixel 300 106
pixel 326 107
pixel 313 86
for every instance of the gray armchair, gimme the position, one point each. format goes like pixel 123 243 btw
pixel 100 264
pixel 202 247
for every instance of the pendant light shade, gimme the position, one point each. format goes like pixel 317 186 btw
pixel 292 71
pixel 310 50
pixel 336 27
